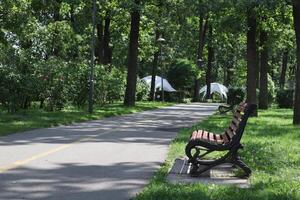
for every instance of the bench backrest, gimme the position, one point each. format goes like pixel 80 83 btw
pixel 237 126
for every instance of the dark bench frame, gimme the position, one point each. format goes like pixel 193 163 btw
pixel 196 146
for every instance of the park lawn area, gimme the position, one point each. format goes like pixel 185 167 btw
pixel 36 118
pixel 272 150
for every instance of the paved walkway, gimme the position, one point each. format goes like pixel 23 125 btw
pixel 112 158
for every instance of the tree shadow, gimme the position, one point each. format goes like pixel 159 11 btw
pixel 76 181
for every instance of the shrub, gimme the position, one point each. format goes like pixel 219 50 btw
pixel 182 74
pixel 109 84
pixel 142 91
pixel 271 90
pixel 235 95
pixel 285 98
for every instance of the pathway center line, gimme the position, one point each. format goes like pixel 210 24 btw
pixel 22 162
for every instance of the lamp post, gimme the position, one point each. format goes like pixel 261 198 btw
pixel 200 63
pixel 160 41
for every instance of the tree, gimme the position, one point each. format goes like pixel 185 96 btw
pixel 296 15
pixel 182 73
pixel 251 57
pixel 263 83
pixel 132 66
pixel 283 69
pixel 203 24
pixel 210 59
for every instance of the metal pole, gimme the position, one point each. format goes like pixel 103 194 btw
pixel 91 78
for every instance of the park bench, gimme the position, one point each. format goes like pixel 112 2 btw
pixel 202 143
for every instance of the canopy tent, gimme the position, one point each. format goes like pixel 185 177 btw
pixel 166 84
pixel 215 87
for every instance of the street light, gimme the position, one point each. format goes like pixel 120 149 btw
pixel 161 41
pixel 200 63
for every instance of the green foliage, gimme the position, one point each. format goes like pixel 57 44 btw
pixel 45 47
pixel 109 84
pixel 285 98
pixel 235 95
pixel 182 74
pixel 271 149
pixel 142 91
pixel 271 90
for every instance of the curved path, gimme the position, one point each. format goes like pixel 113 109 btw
pixel 113 158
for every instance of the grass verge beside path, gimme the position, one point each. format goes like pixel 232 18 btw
pixel 272 150
pixel 32 119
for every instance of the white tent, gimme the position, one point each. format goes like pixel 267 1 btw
pixel 215 87
pixel 166 84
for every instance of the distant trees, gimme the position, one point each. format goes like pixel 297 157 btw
pixel 45 49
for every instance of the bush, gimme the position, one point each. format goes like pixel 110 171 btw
pixel 271 90
pixel 235 96
pixel 109 85
pixel 142 91
pixel 285 98
pixel 182 74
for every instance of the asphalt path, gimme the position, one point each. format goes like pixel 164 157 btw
pixel 113 158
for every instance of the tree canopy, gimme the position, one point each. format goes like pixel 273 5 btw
pixel 45 48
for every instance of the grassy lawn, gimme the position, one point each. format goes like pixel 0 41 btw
pixel 272 150
pixel 31 119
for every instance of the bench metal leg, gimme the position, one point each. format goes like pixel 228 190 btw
pixel 238 162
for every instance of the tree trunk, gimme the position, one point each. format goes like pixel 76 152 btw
pixel 296 15
pixel 229 74
pixel 209 64
pixel 100 47
pixel 154 70
pixel 106 40
pixel 283 69
pixel 201 44
pixel 263 92
pixel 251 58
pixel 129 99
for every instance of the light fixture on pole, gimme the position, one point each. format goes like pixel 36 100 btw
pixel 91 77
pixel 200 63
pixel 161 41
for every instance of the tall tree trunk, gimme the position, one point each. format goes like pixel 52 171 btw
pixel 106 40
pixel 251 58
pixel 296 15
pixel 209 64
pixel 100 46
pixel 201 44
pixel 263 92
pixel 154 69
pixel 283 68
pixel 129 99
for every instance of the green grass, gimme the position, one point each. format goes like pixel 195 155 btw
pixel 272 150
pixel 32 119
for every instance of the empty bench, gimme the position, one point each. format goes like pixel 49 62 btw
pixel 202 143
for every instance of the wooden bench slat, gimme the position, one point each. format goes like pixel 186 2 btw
pixel 205 135
pixel 225 138
pixel 238 115
pixel 236 121
pixel 211 137
pixel 230 133
pixel 219 139
pixel 233 126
